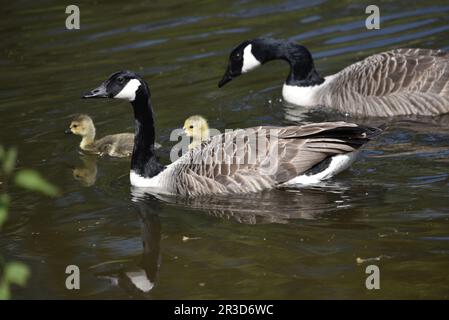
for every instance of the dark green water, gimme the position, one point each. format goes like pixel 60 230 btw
pixel 392 203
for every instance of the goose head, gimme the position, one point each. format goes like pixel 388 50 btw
pixel 251 54
pixel 197 128
pixel 124 85
pixel 242 59
pixel 128 85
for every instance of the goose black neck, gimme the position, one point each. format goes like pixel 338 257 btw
pixel 144 161
pixel 302 69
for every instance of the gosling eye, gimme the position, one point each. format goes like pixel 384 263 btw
pixel 75 125
pixel 191 127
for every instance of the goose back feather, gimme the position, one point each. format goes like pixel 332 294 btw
pixel 288 152
pixel 396 82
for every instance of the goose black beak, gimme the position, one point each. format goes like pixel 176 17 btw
pixel 68 131
pixel 226 78
pixel 99 92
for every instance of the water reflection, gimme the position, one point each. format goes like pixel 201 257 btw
pixel 139 278
pixel 270 206
pixel 301 115
pixel 86 173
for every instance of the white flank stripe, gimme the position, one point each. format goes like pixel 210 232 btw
pixel 304 96
pixel 338 164
pixel 143 182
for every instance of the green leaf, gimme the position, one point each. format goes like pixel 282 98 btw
pixel 4 291
pixel 3 215
pixel 32 180
pixel 9 160
pixel 4 203
pixel 17 273
pixel 4 200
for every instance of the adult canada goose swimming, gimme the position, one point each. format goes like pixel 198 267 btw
pixel 197 128
pixel 285 155
pixel 396 82
pixel 114 145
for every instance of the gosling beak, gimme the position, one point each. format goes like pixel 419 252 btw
pixel 68 131
pixel 226 78
pixel 99 92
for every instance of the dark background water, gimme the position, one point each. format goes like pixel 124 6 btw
pixel 392 204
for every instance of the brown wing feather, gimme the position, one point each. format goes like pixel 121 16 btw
pixel 396 82
pixel 219 166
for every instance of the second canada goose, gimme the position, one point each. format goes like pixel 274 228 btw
pixel 114 145
pixel 285 155
pixel 396 82
pixel 197 128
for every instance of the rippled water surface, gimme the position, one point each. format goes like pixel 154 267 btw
pixel 393 204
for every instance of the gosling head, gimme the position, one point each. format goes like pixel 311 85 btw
pixel 82 125
pixel 124 85
pixel 197 128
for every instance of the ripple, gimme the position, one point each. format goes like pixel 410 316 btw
pixel 135 45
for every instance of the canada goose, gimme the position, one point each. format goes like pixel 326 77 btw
pixel 287 155
pixel 197 128
pixel 114 145
pixel 396 82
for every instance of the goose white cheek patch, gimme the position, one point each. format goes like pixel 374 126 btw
pixel 249 60
pixel 129 91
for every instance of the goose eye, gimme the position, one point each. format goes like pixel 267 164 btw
pixel 191 127
pixel 120 80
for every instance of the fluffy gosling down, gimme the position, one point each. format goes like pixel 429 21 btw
pixel 114 145
pixel 197 128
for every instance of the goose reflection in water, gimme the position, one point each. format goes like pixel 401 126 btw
pixel 434 128
pixel 299 116
pixel 139 279
pixel 271 206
